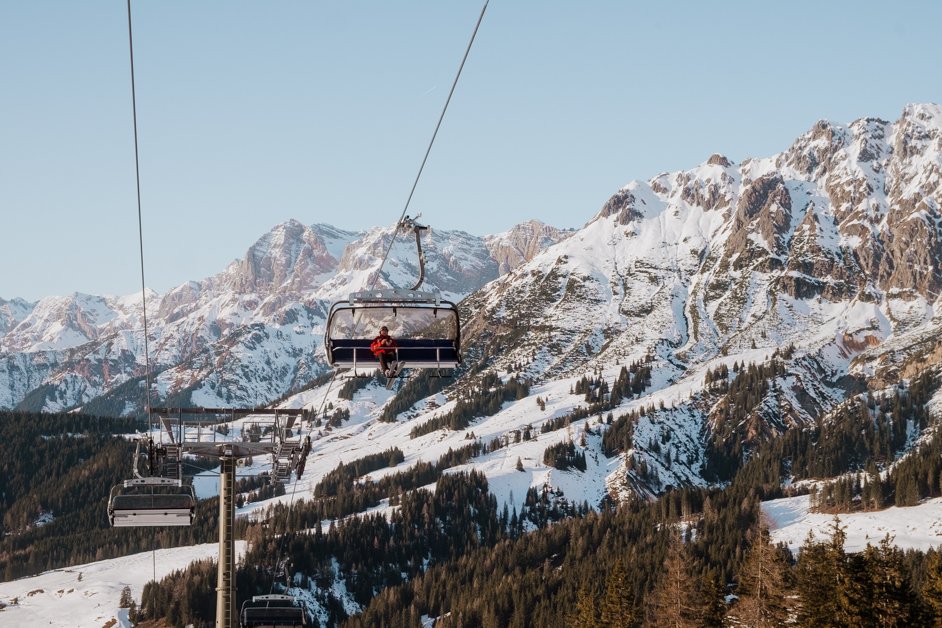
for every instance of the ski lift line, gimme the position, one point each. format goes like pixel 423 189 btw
pixel 131 510
pixel 140 221
pixel 454 84
pixel 404 224
pixel 281 545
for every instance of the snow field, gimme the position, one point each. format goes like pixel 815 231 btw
pixel 87 596
pixel 917 527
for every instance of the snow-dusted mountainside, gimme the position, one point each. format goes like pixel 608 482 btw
pixel 248 335
pixel 831 247
pixel 522 243
pixel 686 274
pixel 834 241
pixel 12 312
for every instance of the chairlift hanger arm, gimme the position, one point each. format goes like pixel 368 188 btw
pixel 410 224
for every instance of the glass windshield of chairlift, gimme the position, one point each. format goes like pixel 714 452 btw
pixel 402 321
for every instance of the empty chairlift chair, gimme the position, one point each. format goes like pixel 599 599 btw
pixel 272 611
pixel 426 329
pixel 144 502
pixel 157 500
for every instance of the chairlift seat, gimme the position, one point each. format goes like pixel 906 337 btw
pixel 277 611
pixel 272 617
pixel 416 353
pixel 151 510
pixel 151 504
pixel 426 329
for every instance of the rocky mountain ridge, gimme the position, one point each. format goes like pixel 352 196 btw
pixel 827 253
pixel 847 214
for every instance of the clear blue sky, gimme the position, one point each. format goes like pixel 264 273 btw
pixel 251 113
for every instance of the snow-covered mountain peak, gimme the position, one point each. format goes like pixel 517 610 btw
pixel 65 322
pixel 290 257
pixel 521 243
pixel 930 114
pixel 12 312
pixel 716 159
pixel 707 259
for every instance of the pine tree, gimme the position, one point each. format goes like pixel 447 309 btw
pixel 932 588
pixel 892 598
pixel 712 603
pixel 839 572
pixel 617 605
pixel 763 584
pixel 673 601
pixel 826 588
pixel 858 593
pixel 816 584
pixel 586 614
pixel 126 600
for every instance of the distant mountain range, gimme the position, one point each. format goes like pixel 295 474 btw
pixel 245 336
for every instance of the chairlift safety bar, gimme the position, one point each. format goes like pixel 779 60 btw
pixel 395 296
pixel 273 597
pixel 153 481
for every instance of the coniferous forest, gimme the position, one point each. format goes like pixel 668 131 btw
pixel 56 472
pixel 693 557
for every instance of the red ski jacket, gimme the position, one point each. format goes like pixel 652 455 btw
pixel 382 344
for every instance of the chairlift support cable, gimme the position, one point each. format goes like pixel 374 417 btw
pixel 140 237
pixel 140 220
pixel 409 224
pixel 128 513
pixel 428 150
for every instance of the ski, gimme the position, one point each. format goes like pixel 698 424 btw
pixel 391 377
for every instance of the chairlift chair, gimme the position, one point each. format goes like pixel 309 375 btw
pixel 427 330
pixel 155 500
pixel 144 506
pixel 272 611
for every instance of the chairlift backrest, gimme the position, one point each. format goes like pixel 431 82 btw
pixel 272 611
pixel 149 502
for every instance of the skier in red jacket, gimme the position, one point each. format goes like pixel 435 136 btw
pixel 384 348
